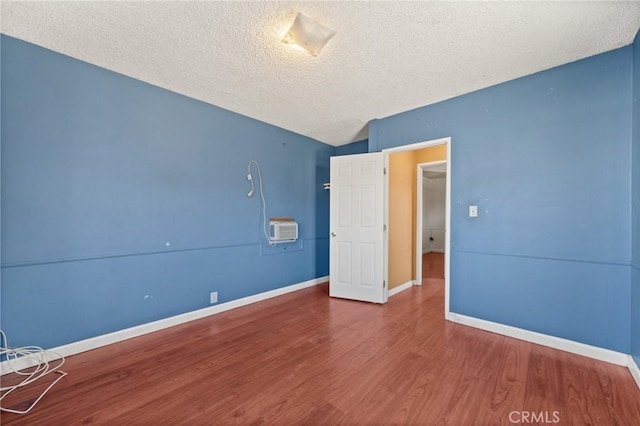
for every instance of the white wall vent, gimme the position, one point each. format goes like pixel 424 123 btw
pixel 283 230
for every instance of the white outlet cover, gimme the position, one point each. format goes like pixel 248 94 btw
pixel 214 297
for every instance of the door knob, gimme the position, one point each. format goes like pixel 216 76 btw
pixel 333 234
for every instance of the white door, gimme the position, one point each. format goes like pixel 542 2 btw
pixel 356 262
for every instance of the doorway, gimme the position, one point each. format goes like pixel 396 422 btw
pixel 431 187
pixel 425 166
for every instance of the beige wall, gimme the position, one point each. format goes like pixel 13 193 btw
pixel 427 155
pixel 400 217
pixel 402 210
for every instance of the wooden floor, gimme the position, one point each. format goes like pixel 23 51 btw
pixel 433 268
pixel 305 358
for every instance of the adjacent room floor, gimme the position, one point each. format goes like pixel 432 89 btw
pixel 305 358
pixel 433 269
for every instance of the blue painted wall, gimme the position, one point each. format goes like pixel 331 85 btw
pixel 635 212
pixel 546 159
pixel 359 147
pixel 101 171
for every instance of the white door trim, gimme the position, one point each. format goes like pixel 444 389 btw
pixel 421 167
pixel 447 240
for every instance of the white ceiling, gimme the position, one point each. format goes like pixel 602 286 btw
pixel 387 57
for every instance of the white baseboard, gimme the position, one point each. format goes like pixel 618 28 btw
pixel 594 352
pixel 400 288
pixel 128 333
pixel 634 370
pixel 432 251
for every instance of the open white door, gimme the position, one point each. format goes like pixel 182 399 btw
pixel 356 252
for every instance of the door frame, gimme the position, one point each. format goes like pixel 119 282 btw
pixel 447 231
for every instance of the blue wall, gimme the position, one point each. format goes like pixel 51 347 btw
pixel 100 171
pixel 359 147
pixel 546 159
pixel 635 260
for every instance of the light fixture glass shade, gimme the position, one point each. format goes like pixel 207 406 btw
pixel 308 34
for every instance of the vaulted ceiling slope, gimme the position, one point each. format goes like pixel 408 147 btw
pixel 387 57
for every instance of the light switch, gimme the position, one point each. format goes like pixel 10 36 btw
pixel 473 211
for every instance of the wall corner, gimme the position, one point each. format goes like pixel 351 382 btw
pixel 373 135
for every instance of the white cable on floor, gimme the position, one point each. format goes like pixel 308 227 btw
pixel 40 367
pixel 264 202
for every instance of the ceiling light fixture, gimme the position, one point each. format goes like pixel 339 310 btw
pixel 307 34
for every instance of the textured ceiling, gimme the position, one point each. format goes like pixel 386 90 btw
pixel 386 57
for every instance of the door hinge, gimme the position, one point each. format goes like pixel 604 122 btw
pixel 384 284
pixel 384 227
pixel 384 170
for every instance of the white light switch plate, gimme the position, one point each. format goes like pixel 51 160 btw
pixel 473 211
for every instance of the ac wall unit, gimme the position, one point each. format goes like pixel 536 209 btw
pixel 283 230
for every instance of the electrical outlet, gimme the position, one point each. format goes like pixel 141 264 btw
pixel 214 297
